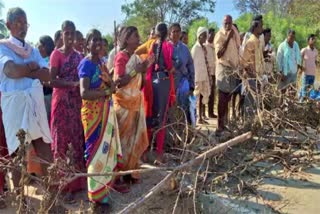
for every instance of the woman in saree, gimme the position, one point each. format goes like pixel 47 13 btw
pixel 65 123
pixel 159 90
pixel 102 143
pixel 128 101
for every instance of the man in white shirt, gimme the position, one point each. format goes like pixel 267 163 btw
pixel 115 50
pixel 22 69
pixel 202 73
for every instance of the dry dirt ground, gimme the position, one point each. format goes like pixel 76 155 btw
pixel 295 195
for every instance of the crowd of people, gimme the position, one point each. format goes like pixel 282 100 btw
pixel 102 111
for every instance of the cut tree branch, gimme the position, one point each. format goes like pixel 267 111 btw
pixel 198 160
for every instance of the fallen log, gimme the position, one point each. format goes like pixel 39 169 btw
pixel 161 185
pixel 121 173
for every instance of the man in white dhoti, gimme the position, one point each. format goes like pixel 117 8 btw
pixel 22 71
pixel 202 74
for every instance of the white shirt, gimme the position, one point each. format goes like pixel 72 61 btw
pixel 112 55
pixel 200 66
pixel 6 54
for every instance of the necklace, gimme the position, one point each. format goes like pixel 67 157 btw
pixel 127 52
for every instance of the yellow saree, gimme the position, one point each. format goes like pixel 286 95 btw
pixel 129 108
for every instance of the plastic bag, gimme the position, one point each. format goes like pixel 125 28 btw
pixel 192 109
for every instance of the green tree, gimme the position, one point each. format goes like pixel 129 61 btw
pixel 253 6
pixel 243 22
pixel 279 26
pixel 306 13
pixel 3 28
pixel 144 25
pixel 147 13
pixel 193 28
pixel 306 10
pixel 263 6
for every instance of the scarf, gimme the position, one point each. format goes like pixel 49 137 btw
pixel 201 30
pixel 23 52
pixel 207 63
pixel 288 65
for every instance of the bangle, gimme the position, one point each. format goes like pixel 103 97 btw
pixel 133 73
pixel 107 92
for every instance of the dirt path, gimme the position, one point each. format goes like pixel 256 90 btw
pixel 296 195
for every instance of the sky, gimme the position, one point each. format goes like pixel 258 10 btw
pixel 46 16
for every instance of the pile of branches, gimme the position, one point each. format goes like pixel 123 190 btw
pixel 50 185
pixel 285 134
pixel 200 163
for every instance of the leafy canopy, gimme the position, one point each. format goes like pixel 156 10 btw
pixel 3 28
pixel 145 14
pixel 279 26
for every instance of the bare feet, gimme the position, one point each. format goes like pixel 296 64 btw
pixel 159 160
pixel 213 116
pixel 205 117
pixel 131 180
pixel 3 204
pixel 121 186
pixel 219 132
pixel 136 180
pixel 202 121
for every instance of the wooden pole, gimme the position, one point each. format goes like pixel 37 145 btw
pixel 115 41
pixel 160 186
